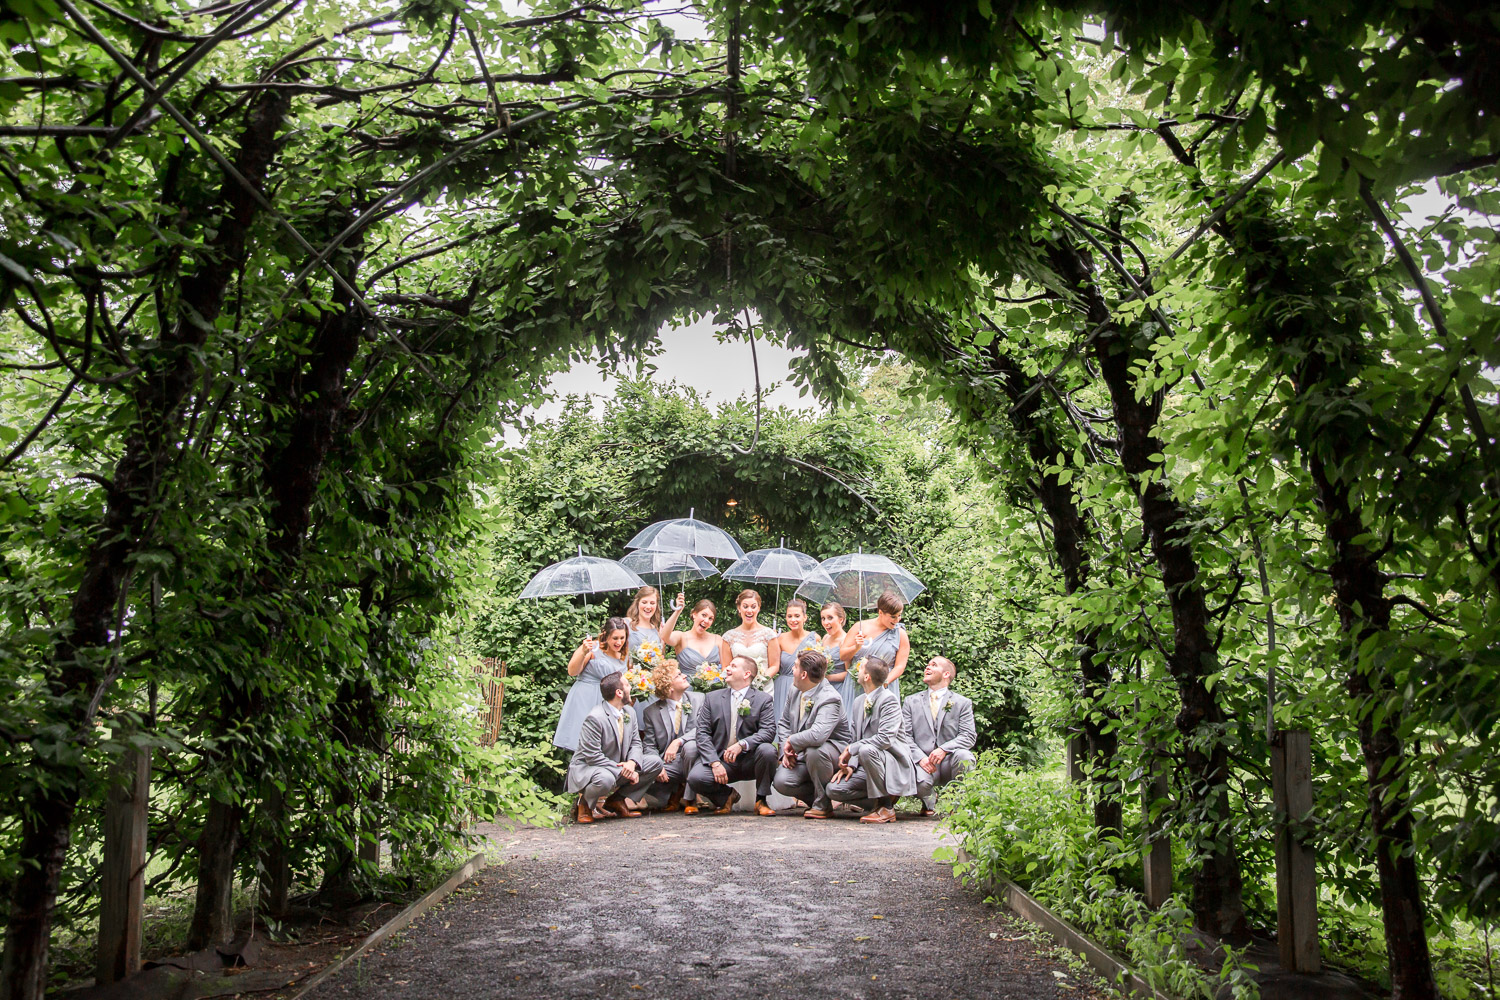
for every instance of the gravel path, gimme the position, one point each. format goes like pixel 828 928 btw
pixel 707 907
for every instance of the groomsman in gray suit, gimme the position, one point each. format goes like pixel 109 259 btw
pixel 812 733
pixel 736 741
pixel 669 730
pixel 610 762
pixel 876 769
pixel 941 723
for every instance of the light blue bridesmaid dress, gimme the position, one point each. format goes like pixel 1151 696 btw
pixel 690 661
pixel 849 687
pixel 638 636
pixel 885 645
pixel 582 697
pixel 783 686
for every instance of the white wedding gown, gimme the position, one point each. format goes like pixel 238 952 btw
pixel 756 651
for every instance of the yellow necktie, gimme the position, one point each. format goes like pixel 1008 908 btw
pixel 677 720
pixel 933 700
pixel 620 731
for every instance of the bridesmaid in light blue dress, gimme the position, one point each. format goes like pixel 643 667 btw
pixel 593 660
pixel 794 640
pixel 881 636
pixel 643 618
pixel 698 646
pixel 832 615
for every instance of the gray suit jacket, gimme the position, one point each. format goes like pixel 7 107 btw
pixel 656 724
pixel 955 727
pixel 824 722
pixel 883 730
pixel 600 746
pixel 713 724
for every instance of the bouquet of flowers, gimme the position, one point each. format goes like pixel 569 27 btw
pixel 710 678
pixel 650 656
pixel 638 683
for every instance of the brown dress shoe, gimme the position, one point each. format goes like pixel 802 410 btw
pixel 927 812
pixel 619 808
pixel 815 813
pixel 583 814
pixel 734 796
pixel 673 804
pixel 690 810
pixel 762 809
pixel 881 815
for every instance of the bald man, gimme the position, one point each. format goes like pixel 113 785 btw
pixel 941 723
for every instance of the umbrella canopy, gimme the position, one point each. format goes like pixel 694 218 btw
pixel 687 534
pixel 581 575
pixel 778 565
pixel 668 567
pixel 859 579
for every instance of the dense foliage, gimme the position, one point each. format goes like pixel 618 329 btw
pixel 274 274
pixel 882 476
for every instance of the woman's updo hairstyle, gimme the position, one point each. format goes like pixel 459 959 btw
pixel 891 603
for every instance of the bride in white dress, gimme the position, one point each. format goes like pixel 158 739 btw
pixel 750 638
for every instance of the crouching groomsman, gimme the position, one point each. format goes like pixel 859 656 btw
pixel 876 769
pixel 736 741
pixel 812 733
pixel 610 762
pixel 669 730
pixel 941 723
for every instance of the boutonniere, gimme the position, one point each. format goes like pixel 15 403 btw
pixel 807 704
pixel 948 705
pixel 687 706
pixel 869 706
pixel 745 707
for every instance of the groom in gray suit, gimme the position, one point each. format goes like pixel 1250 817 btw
pixel 812 733
pixel 941 723
pixel 876 769
pixel 610 762
pixel 736 741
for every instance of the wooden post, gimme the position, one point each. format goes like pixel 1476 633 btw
pixel 122 891
pixel 1077 749
pixel 1157 864
pixel 1296 864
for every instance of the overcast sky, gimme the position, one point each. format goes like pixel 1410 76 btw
pixel 690 356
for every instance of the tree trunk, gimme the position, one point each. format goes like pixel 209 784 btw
pixel 1217 901
pixel 1322 361
pixel 213 909
pixel 80 658
pixel 1364 610
pixel 1070 542
pixel 291 474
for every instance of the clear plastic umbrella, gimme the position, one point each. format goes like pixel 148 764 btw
pixel 668 567
pixel 581 575
pixel 858 580
pixel 687 534
pixel 781 566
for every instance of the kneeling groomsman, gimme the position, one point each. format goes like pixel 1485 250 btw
pixel 669 730
pixel 610 762
pixel 736 741
pixel 941 723
pixel 876 769
pixel 812 733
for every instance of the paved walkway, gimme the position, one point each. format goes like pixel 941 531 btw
pixel 708 907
